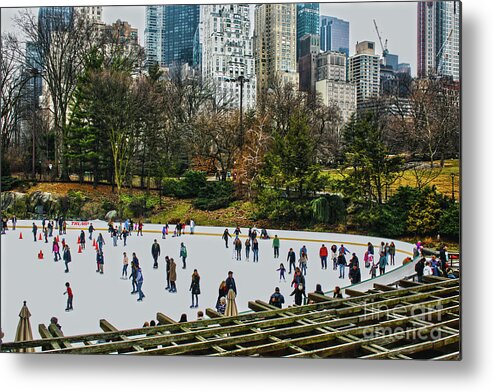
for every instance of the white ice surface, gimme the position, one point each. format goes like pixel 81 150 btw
pixel 42 282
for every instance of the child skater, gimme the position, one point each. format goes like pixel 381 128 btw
pixel 281 270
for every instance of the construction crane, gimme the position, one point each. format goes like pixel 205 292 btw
pixel 385 51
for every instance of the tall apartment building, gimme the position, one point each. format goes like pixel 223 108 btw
pixel 54 19
pixel 275 44
pixel 307 22
pixel 227 53
pixel 123 34
pixel 334 34
pixel 439 38
pixel 364 72
pixel 169 34
pixel 331 83
pixel 94 13
pixel 309 48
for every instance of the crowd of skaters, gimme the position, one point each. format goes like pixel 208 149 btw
pixel 297 262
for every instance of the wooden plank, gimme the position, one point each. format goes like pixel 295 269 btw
pixel 383 287
pixel 319 298
pixel 409 283
pixel 433 279
pixel 163 319
pixel 45 334
pixel 354 293
pixel 108 327
pixel 55 332
pixel 213 313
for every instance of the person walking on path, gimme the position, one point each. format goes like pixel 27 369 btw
pixel 323 253
pixel 82 239
pixel 281 271
pixel 195 289
pixel 100 241
pixel 70 297
pixel 91 230
pixel 291 259
pixel 56 250
pixel 156 252
pixel 382 262
pixel 355 274
pixel 275 245
pixel 100 262
pixel 341 262
pixel 333 256
pixel 255 250
pixel 192 227
pixel 183 255
pixel 226 237
pixel 303 263
pixel 276 299
pixel 172 275
pixel 231 283
pixel 392 253
pixel 125 266
pixel 140 282
pixel 67 257
pixel 238 246
pixel 247 248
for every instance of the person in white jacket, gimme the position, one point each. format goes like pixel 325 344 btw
pixel 427 270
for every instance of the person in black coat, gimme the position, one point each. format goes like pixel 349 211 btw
pixel 298 294
pixel 291 259
pixel 276 299
pixel 168 262
pixel 443 259
pixel 230 282
pixel 155 251
pixel 67 257
pixel 195 289
pixel 419 267
pixel 355 274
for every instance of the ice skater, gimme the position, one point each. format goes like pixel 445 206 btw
pixel 247 248
pixel 238 246
pixel 281 271
pixel 139 228
pixel 323 253
pixel 14 222
pixel 183 255
pixel 133 276
pixel 275 245
pixel 67 257
pixel 100 241
pixel 226 236
pixel 82 239
pixel 195 289
pixel 163 233
pixel 168 261
pixel 276 299
pixel 125 266
pixel 172 275
pixel 140 282
pixel 303 262
pixel 156 252
pixel 100 262
pixel 70 297
pixel 291 260
pixel 255 250
pixel 56 250
pixel 91 230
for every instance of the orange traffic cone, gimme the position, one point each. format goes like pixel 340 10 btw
pixel 94 242
pixel 97 247
pixel 78 240
pixel 57 239
pixel 40 237
pixel 40 255
pixel 20 235
pixel 80 249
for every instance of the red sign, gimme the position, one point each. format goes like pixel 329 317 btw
pixel 79 223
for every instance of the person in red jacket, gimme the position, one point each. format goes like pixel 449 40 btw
pixel 324 253
pixel 70 297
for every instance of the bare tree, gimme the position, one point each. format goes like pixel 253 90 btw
pixel 61 46
pixel 13 80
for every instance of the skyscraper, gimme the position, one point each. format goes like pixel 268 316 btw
pixel 227 53
pixel 439 38
pixel 309 48
pixel 307 22
pixel 169 34
pixel 94 13
pixel 334 34
pixel 275 44
pixel 364 71
pixel 54 19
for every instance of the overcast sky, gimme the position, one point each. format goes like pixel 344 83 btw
pixel 396 21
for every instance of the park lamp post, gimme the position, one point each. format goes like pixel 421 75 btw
pixel 453 186
pixel 35 73
pixel 241 79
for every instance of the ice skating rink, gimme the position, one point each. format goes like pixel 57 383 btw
pixel 42 282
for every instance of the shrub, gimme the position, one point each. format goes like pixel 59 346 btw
pixel 328 209
pixel 215 195
pixel 449 223
pixel 76 200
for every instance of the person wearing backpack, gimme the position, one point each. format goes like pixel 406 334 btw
pixel 276 299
